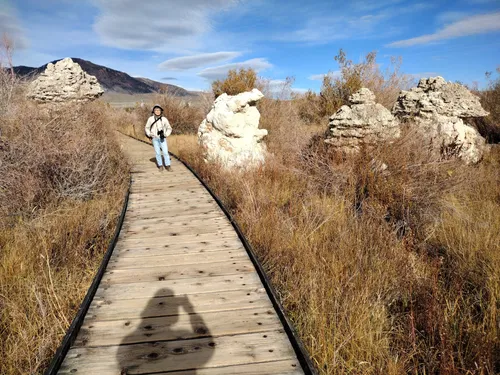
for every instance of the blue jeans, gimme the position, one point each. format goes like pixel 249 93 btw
pixel 157 144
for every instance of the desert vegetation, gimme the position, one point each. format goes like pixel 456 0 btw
pixel 489 126
pixel 392 271
pixel 62 183
pixel 382 271
pixel 337 87
pixel 237 81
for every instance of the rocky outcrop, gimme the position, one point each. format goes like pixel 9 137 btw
pixel 64 81
pixel 230 133
pixel 437 108
pixel 363 122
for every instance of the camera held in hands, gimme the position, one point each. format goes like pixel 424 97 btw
pixel 161 134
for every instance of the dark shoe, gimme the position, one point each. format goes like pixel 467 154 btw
pixel 167 167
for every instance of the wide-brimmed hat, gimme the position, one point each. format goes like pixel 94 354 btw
pixel 156 106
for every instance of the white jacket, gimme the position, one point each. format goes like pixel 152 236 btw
pixel 162 123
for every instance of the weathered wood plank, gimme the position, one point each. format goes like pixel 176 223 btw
pixel 163 288
pixel 163 306
pixel 205 212
pixel 179 355
pixel 152 272
pixel 287 367
pixel 173 237
pixel 176 230
pixel 177 327
pixel 133 251
pixel 179 220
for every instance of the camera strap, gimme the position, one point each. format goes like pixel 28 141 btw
pixel 151 127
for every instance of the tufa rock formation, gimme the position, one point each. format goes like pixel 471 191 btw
pixel 230 133
pixel 64 82
pixel 437 108
pixel 364 122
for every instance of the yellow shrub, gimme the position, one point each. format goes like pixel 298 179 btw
pixel 236 82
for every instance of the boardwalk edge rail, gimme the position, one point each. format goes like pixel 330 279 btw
pixel 77 322
pixel 298 346
pixel 71 334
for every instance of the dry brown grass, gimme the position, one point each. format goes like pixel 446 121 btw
pixel 489 126
pixel 394 272
pixel 62 183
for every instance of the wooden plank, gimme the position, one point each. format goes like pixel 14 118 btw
pixel 167 264
pixel 179 355
pixel 182 193
pixel 182 220
pixel 177 239
pixel 287 367
pixel 200 246
pixel 163 288
pixel 171 198
pixel 169 208
pixel 175 230
pixel 178 204
pixel 172 211
pixel 205 212
pixel 165 178
pixel 177 327
pixel 192 187
pixel 114 309
pixel 215 221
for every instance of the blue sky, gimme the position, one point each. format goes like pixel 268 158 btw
pixel 191 42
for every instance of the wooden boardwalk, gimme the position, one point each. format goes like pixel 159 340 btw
pixel 180 294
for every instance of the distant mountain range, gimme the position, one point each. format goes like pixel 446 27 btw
pixel 113 80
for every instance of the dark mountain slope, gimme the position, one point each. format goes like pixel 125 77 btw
pixel 112 80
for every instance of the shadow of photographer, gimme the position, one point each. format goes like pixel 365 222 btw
pixel 139 352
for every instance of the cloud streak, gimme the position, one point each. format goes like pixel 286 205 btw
pixel 319 77
pixel 473 25
pixel 10 26
pixel 325 29
pixel 196 61
pixel 159 25
pixel 217 72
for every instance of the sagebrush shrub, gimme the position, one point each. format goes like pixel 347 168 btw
pixel 236 82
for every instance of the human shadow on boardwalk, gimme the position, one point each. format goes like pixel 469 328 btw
pixel 157 346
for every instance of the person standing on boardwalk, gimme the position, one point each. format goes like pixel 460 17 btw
pixel 158 129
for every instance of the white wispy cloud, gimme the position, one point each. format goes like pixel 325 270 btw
pixel 11 27
pixel 217 72
pixel 368 5
pixel 319 77
pixel 473 25
pixel 196 61
pixel 156 24
pixel 327 29
pixel 450 17
pixel 351 25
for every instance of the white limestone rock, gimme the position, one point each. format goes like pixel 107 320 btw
pixel 64 81
pixel 230 133
pixel 363 122
pixel 436 108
